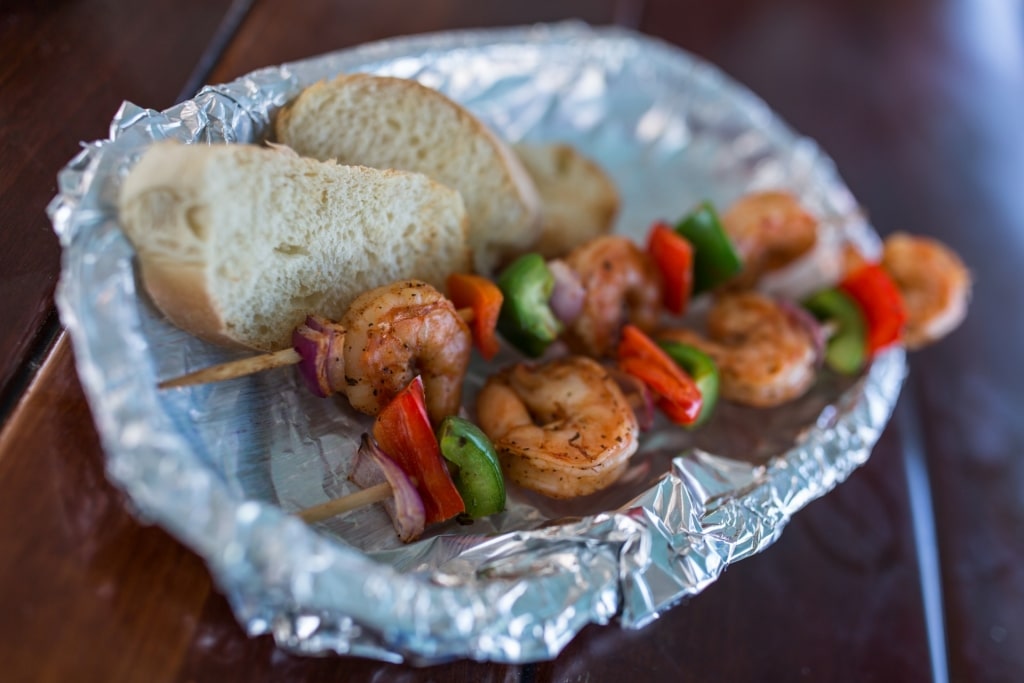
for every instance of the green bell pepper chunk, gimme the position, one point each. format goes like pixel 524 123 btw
pixel 846 350
pixel 474 466
pixel 704 371
pixel 715 260
pixel 526 320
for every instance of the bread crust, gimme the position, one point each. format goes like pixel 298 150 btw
pixel 579 199
pixel 237 244
pixel 180 292
pixel 504 220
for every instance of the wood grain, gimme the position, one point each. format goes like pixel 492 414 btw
pixel 65 67
pixel 79 579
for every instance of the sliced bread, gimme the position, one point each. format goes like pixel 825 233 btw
pixel 398 123
pixel 237 243
pixel 579 201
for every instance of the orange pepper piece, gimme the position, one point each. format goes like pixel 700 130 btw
pixel 484 298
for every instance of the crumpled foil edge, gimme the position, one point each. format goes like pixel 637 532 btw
pixel 490 600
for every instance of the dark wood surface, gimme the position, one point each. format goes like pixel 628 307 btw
pixel 909 571
pixel 65 67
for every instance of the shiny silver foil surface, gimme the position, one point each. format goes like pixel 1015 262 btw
pixel 222 466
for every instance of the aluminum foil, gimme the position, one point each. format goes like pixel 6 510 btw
pixel 221 466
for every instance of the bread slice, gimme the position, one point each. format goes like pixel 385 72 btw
pixel 579 201
pixel 398 123
pixel 237 243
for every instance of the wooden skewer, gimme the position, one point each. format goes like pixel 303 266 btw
pixel 332 508
pixel 254 364
pixel 237 368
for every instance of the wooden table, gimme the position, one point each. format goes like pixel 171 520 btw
pixel 912 570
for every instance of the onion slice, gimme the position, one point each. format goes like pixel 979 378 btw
pixel 568 294
pixel 814 329
pixel 405 507
pixel 320 344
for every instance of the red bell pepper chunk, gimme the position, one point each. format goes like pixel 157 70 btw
pixel 881 303
pixel 404 432
pixel 678 395
pixel 673 255
pixel 484 298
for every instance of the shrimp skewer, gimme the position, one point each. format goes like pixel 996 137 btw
pixel 253 364
pixel 399 331
pixel 563 428
pixel 770 230
pixel 621 284
pixel 768 355
pixel 764 351
pixel 388 335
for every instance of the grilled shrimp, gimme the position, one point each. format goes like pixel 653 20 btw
pixel 621 285
pixel 396 332
pixel 769 230
pixel 765 353
pixel 563 429
pixel 934 282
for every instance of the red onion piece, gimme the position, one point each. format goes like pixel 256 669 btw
pixel 320 343
pixel 802 317
pixel 405 507
pixel 637 393
pixel 567 297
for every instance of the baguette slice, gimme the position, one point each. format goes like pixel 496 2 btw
pixel 579 200
pixel 237 244
pixel 398 123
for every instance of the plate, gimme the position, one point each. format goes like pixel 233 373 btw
pixel 221 466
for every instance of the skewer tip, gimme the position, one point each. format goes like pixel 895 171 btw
pixel 233 369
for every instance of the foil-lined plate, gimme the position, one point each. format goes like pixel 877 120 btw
pixel 222 466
